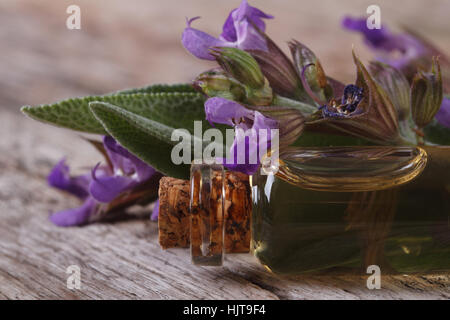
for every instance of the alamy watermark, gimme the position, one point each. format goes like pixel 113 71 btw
pixel 73 22
pixel 374 19
pixel 74 278
pixel 374 280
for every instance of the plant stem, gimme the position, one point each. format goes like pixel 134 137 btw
pixel 305 108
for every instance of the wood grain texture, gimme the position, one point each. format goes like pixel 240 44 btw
pixel 123 46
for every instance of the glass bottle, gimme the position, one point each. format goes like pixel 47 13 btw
pixel 336 209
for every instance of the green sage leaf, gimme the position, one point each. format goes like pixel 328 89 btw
pixel 148 139
pixel 158 88
pixel 177 109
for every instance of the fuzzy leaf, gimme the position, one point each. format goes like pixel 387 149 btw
pixel 148 139
pixel 172 108
pixel 158 88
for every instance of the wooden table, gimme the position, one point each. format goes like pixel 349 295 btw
pixel 41 61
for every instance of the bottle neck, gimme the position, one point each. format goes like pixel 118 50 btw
pixel 207 214
pixel 220 213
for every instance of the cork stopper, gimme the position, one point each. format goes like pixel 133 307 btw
pixel 174 220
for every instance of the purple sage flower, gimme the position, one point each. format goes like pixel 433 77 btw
pixel 103 186
pixel 415 53
pixel 238 32
pixel 348 107
pixel 397 50
pixel 155 211
pixel 60 178
pixel 248 138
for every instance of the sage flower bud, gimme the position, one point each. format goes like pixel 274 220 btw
pixel 243 67
pixel 240 65
pixel 259 97
pixel 310 72
pixel 215 83
pixel 426 95
pixel 279 71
